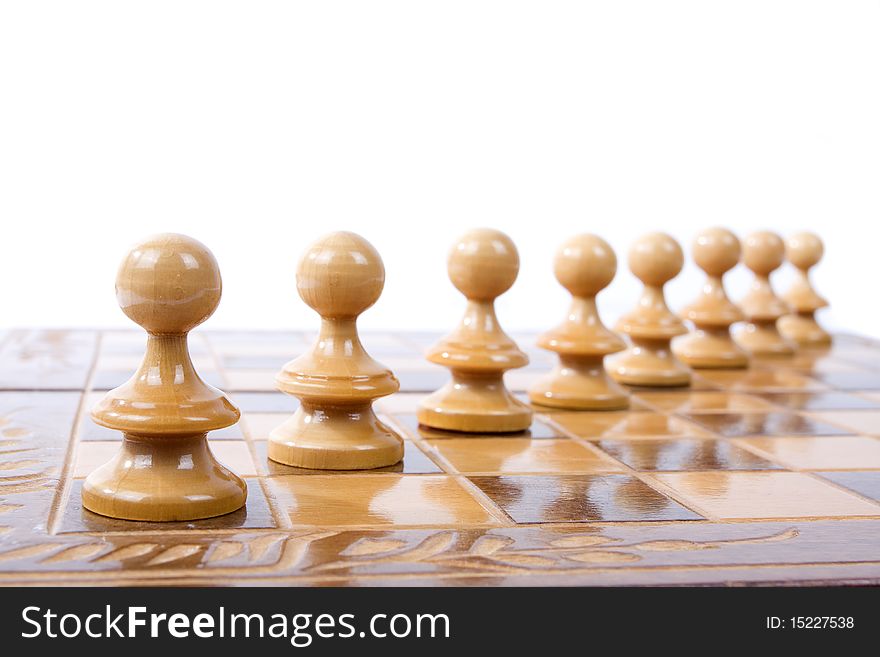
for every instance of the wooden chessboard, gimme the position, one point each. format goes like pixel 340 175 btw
pixel 770 475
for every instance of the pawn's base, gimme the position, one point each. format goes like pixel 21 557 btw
pixel 579 384
pixel 474 404
pixel 764 339
pixel 709 349
pixel 648 363
pixel 804 330
pixel 163 479
pixel 347 437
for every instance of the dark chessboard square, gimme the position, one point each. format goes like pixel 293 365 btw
pixel 736 425
pixel 538 430
pixel 866 484
pixel 415 461
pixel 684 455
pixel 819 401
pixel 580 498
pixel 256 514
pixel 851 380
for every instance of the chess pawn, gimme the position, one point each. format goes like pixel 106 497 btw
pixel 655 259
pixel 716 251
pixel 168 284
pixel 763 253
pixel 584 266
pixel 483 264
pixel 804 251
pixel 336 381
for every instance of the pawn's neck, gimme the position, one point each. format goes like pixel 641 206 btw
pixel 583 312
pixel 167 362
pixel 761 283
pixel 479 318
pixel 713 288
pixel 338 338
pixel 653 300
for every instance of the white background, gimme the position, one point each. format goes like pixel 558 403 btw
pixel 258 126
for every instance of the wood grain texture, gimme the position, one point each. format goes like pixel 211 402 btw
pixel 655 495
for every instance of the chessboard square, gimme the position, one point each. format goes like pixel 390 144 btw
pixel 820 452
pixel 684 455
pixel 820 401
pixel 709 401
pixel 866 484
pixel 422 381
pixel 737 425
pixel 399 403
pixel 258 426
pixel 522 380
pixel 256 514
pixel 235 455
pixel 406 362
pixel 851 380
pixel 863 422
pixel 263 362
pixel 409 424
pixel 378 500
pixel 806 362
pixel 761 380
pixel 256 380
pixel 765 495
pixel 264 402
pixel 580 498
pixel 415 461
pixel 626 424
pixel 521 455
pixel 698 384
pixel 91 455
pixel 123 342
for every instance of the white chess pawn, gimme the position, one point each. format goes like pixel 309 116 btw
pixel 584 265
pixel 336 381
pixel 169 284
pixel 483 264
pixel 655 259
pixel 716 251
pixel 804 251
pixel 763 253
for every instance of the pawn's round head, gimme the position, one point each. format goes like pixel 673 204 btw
pixel 340 275
pixel 763 252
pixel 804 250
pixel 169 284
pixel 584 265
pixel 716 251
pixel 483 264
pixel 655 258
